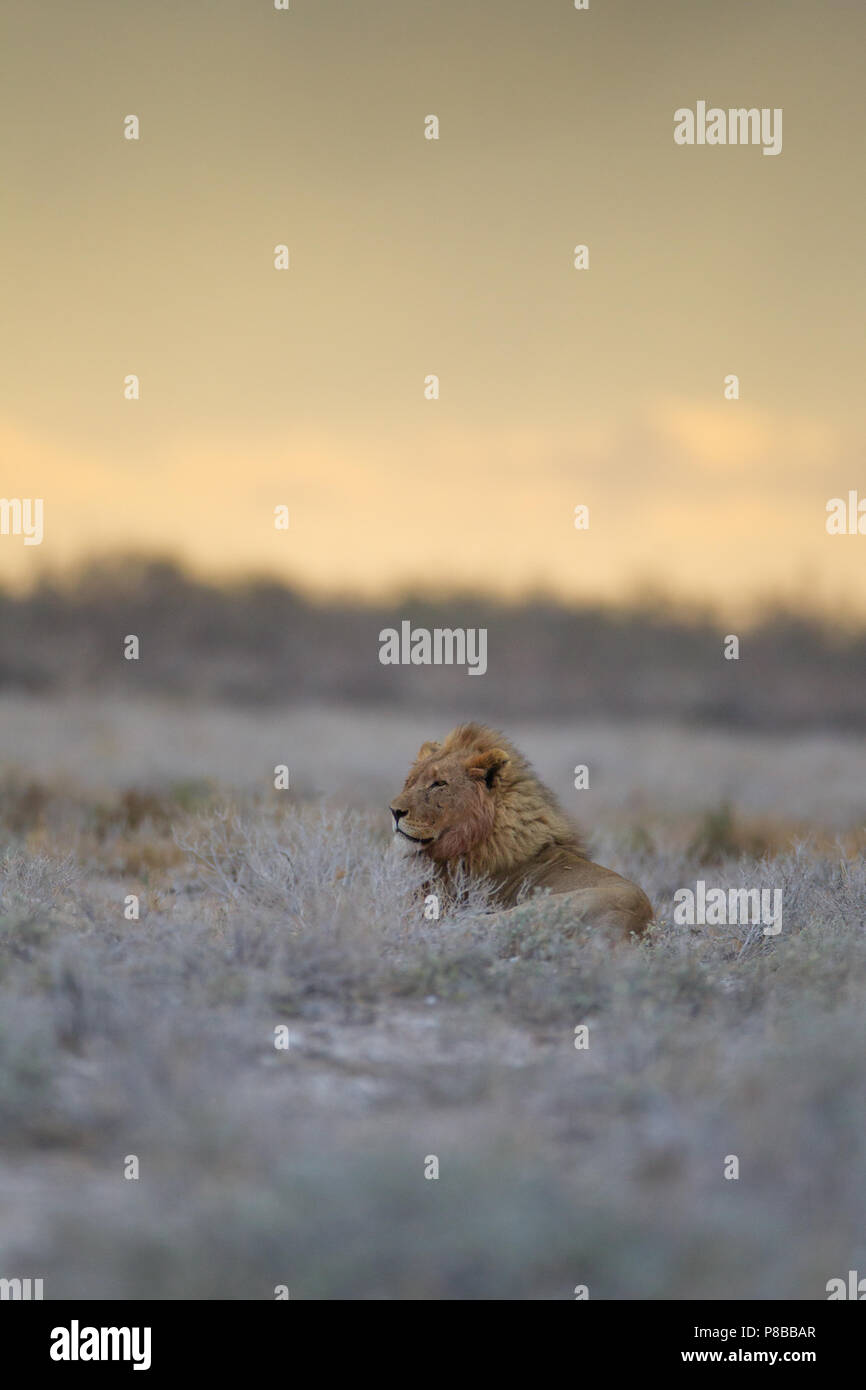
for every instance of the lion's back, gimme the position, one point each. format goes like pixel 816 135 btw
pixel 565 869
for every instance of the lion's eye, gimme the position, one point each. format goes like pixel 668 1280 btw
pixel 437 784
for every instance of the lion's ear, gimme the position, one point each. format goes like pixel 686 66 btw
pixel 486 767
pixel 426 749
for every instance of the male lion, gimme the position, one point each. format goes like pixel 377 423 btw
pixel 474 803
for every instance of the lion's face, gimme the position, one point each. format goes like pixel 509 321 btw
pixel 448 804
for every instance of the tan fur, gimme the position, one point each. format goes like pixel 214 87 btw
pixel 495 820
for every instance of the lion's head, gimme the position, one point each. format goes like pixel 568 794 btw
pixel 474 797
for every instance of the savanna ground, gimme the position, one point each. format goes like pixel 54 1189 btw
pixel 410 1038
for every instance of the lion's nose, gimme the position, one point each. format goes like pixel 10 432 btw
pixel 396 813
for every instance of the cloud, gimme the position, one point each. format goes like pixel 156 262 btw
pixel 710 501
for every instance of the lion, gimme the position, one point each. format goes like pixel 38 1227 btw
pixel 473 805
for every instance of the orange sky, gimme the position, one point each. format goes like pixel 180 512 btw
pixel 452 257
